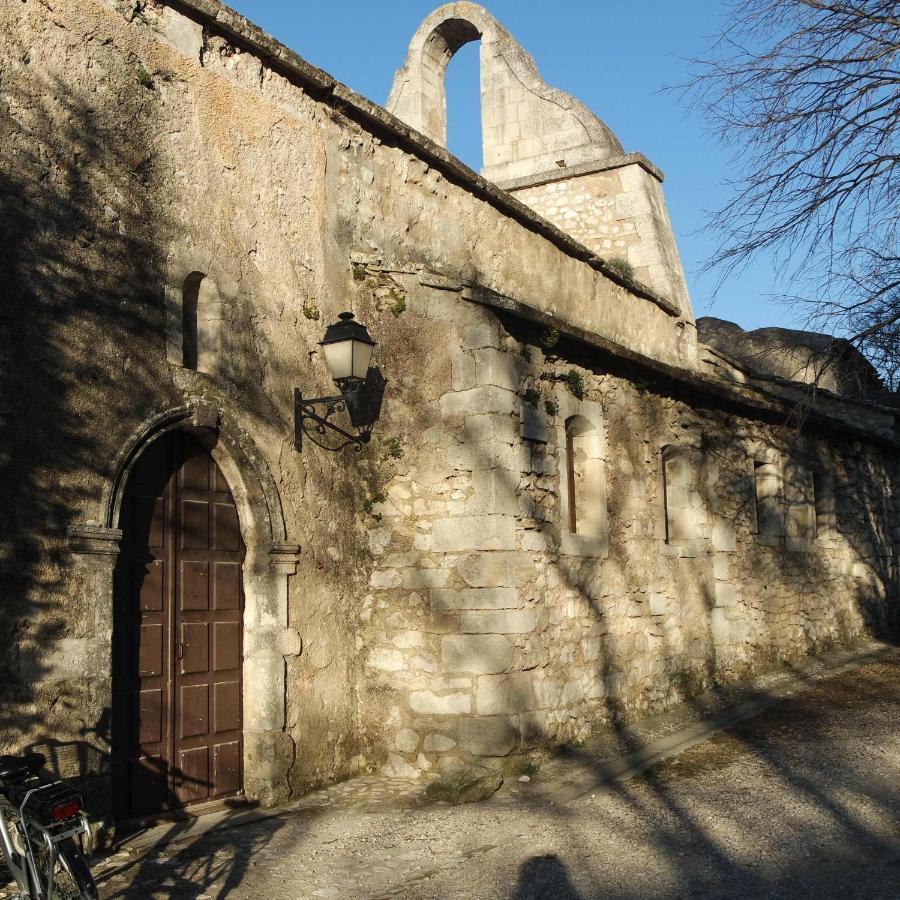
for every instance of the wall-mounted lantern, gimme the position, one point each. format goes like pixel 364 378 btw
pixel 348 351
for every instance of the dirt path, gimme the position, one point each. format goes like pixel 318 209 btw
pixel 801 801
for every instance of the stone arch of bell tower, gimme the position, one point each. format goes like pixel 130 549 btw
pixel 545 147
pixel 527 125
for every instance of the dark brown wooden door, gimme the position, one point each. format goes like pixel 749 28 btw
pixel 177 634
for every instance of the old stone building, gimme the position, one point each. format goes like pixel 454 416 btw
pixel 570 511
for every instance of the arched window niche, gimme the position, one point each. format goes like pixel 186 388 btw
pixel 584 516
pixel 685 512
pixel 201 324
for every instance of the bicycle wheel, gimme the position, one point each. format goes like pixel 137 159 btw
pixel 72 875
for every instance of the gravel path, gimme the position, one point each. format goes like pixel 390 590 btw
pixel 801 801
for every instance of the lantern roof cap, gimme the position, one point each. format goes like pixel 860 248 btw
pixel 347 329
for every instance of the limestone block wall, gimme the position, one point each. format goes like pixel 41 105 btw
pixel 421 598
pixel 492 630
pixel 617 211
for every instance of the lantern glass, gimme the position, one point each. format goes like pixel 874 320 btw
pixel 348 350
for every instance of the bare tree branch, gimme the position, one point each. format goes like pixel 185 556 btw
pixel 807 94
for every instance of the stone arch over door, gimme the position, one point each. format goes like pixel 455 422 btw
pixel 527 125
pixel 269 562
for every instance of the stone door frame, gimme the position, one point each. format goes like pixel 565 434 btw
pixel 269 563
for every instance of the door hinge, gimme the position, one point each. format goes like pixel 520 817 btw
pixel 179 650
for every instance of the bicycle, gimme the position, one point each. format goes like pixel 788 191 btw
pixel 42 827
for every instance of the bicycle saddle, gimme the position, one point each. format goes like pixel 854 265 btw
pixel 15 768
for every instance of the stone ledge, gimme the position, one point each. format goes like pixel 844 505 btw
pixel 585 168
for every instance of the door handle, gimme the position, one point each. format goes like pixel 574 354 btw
pixel 179 650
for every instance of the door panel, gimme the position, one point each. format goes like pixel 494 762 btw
pixel 177 630
pixel 195 643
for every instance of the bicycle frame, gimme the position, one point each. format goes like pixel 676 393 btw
pixel 27 876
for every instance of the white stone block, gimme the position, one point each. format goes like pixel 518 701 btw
pixel 495 492
pixel 495 569
pixel 476 654
pixel 476 598
pixel 497 368
pixel 474 533
pixel 504 694
pixel 499 621
pixel 424 578
pixel 386 660
pixel 477 336
pixel 438 743
pixel 534 423
pixel 723 537
pixel 726 594
pixel 493 736
pixel 397 767
pixel 462 370
pixel 489 427
pixel 474 457
pixel 385 578
pixel 406 741
pixel 482 399
pixel 430 704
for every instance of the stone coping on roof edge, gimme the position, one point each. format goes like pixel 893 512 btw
pixel 375 118
pixel 585 168
pixel 761 398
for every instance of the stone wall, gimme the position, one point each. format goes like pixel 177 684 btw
pixel 618 210
pixel 418 602
pixel 491 632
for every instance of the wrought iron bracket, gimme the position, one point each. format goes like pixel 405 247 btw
pixel 319 427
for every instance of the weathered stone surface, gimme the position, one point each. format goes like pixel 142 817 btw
pixel 477 429
pixel 438 743
pixel 496 492
pixel 497 368
pixel 406 741
pixel 251 210
pixel 503 694
pixel 476 598
pixel 534 424
pixel 489 736
pixel 474 533
pixel 429 703
pixel 723 537
pixel 500 621
pixel 478 400
pixel 495 569
pixel 386 660
pixel 476 654
pixel 465 785
pixel 474 337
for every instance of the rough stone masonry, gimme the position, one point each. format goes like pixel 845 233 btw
pixel 572 511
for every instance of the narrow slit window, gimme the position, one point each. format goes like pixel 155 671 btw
pixel 585 513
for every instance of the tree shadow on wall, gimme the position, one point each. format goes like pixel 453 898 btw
pixel 82 308
pixel 707 663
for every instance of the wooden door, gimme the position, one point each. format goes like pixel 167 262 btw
pixel 177 634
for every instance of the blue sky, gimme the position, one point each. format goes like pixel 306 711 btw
pixel 615 57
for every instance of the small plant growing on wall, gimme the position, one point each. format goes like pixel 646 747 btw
pixel 551 407
pixel 311 311
pixel 145 79
pixel 393 449
pixel 622 267
pixel 550 338
pixel 575 383
pixel 369 506
pixel 532 397
pixel 398 307
pixel 359 272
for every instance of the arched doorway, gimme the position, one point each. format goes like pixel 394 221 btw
pixel 177 634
